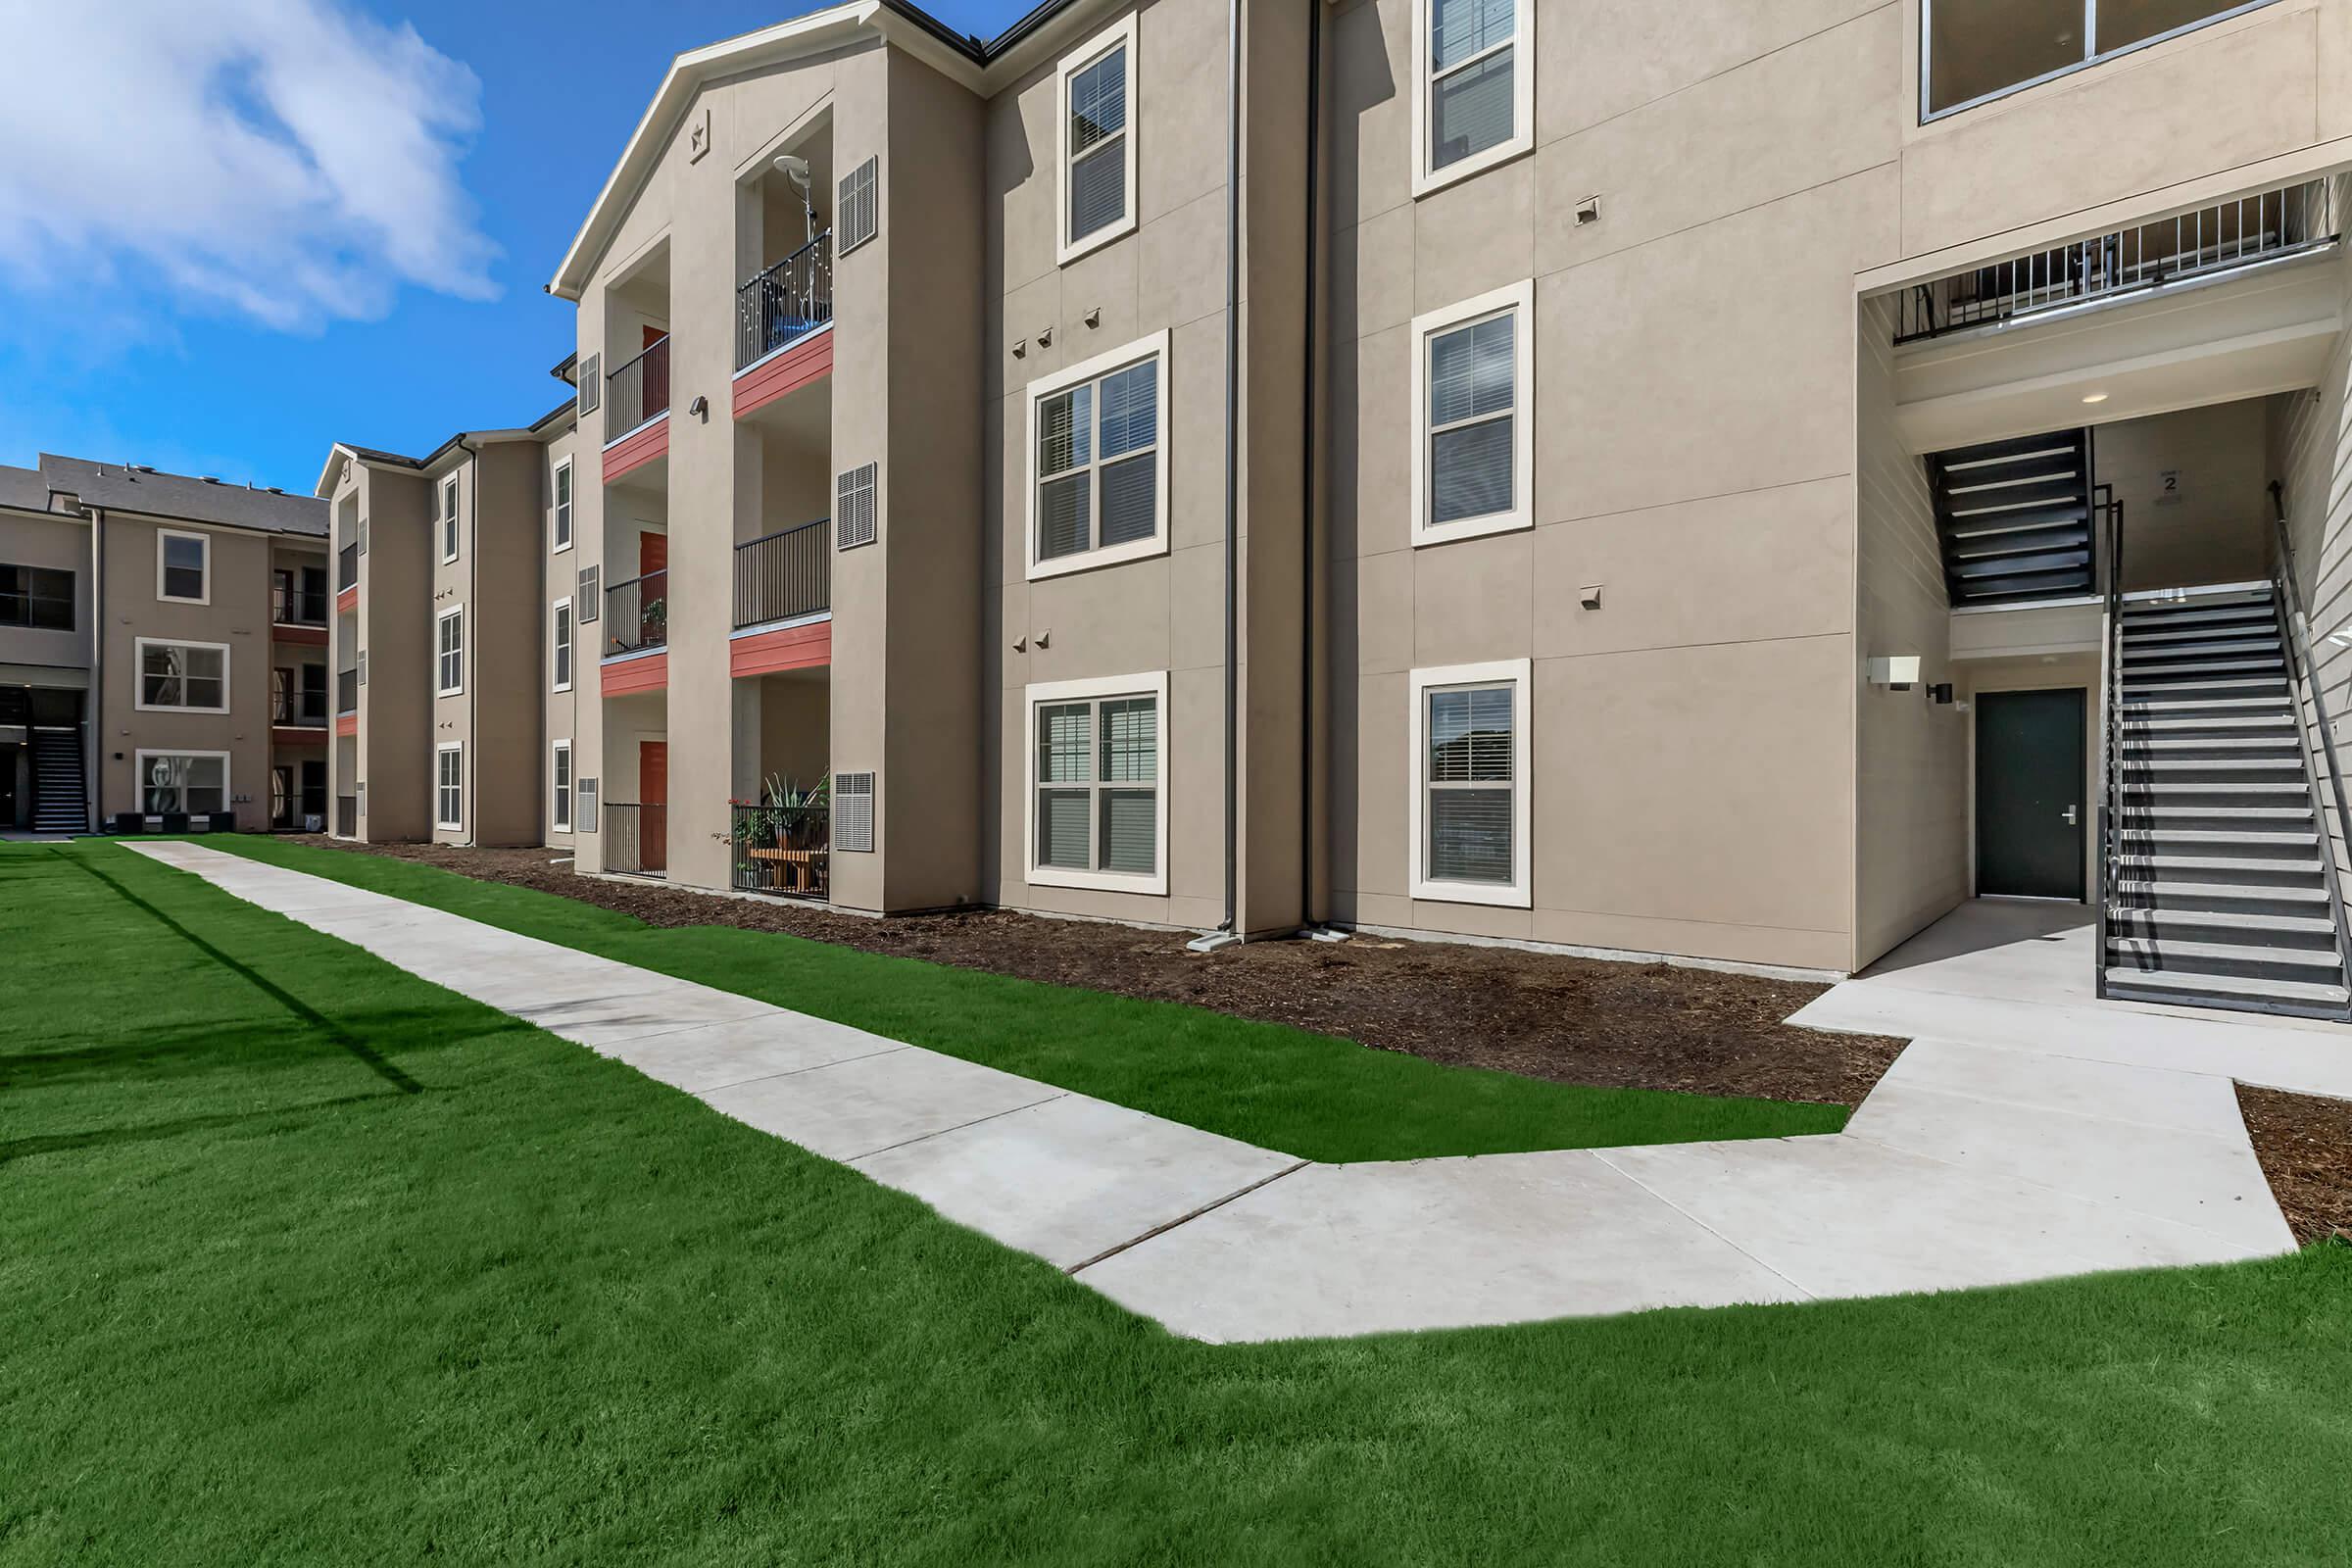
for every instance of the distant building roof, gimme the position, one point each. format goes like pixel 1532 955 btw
pixel 23 487
pixel 123 488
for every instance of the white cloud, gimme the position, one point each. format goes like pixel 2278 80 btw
pixel 283 159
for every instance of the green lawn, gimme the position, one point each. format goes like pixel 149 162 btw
pixel 1307 1094
pixel 303 1260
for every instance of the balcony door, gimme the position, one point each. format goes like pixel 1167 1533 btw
pixel 653 554
pixel 653 796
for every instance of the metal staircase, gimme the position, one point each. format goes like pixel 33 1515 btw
pixel 2013 518
pixel 60 798
pixel 2220 884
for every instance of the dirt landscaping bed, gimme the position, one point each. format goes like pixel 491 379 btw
pixel 2305 1144
pixel 1573 1020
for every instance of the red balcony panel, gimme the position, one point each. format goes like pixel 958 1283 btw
pixel 348 600
pixel 298 636
pixel 771 379
pixel 347 723
pixel 786 648
pixel 637 449
pixel 647 672
pixel 300 734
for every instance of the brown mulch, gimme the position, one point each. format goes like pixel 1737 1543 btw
pixel 2305 1144
pixel 1540 1015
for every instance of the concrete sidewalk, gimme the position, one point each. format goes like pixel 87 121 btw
pixel 1971 1164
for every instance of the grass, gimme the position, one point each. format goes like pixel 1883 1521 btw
pixel 307 1261
pixel 1309 1095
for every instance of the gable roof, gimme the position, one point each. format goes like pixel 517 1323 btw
pixel 24 488
pixel 120 487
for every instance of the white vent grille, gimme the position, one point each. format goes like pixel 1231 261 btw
pixel 854 506
pixel 362 667
pixel 859 217
pixel 853 811
pixel 591 596
pixel 587 805
pixel 590 383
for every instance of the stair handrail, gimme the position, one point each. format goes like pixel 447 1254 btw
pixel 2111 807
pixel 2303 669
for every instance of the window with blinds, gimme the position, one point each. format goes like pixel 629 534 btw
pixel 853 506
pixel 450 651
pixel 560 653
pixel 860 215
pixel 1097 784
pixel 562 505
pixel 560 775
pixel 449 788
pixel 853 813
pixel 1098 140
pixel 449 518
pixel 1100 486
pixel 1472 445
pixel 1470 817
pixel 1476 103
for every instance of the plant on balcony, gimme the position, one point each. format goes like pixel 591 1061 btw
pixel 780 839
pixel 654 619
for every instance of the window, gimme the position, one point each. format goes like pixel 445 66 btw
pixel 559 774
pixel 854 506
pixel 191 677
pixel 853 813
pixel 194 782
pixel 1973 50
pixel 560 662
pixel 860 217
pixel 449 794
pixel 1097 489
pixel 1468 815
pixel 450 637
pixel 183 566
pixel 449 518
pixel 1475 107
pixel 1096 110
pixel 1474 407
pixel 563 493
pixel 38 597
pixel 1099 811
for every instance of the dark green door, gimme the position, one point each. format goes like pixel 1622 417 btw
pixel 2030 802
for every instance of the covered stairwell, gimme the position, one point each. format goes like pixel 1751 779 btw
pixel 60 795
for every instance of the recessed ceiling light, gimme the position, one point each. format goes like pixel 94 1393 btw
pixel 2096 397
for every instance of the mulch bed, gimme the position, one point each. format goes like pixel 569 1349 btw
pixel 2305 1144
pixel 1540 1015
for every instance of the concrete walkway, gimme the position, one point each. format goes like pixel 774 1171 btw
pixel 1974 1162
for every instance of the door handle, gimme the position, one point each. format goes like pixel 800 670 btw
pixel 2072 816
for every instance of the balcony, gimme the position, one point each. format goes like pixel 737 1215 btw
pixel 347 690
pixel 637 615
pixel 2209 242
pixel 637 839
pixel 298 606
pixel 782 849
pixel 637 392
pixel 786 303
pixel 347 567
pixel 307 711
pixel 784 575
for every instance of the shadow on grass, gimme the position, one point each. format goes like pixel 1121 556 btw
pixel 178 1055
pixel 156 1132
pixel 328 1027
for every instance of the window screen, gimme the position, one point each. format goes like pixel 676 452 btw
pixel 1471 732
pixel 853 811
pixel 860 216
pixel 1472 398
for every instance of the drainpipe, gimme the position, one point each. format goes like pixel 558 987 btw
pixel 473 584
pixel 93 789
pixel 1306 480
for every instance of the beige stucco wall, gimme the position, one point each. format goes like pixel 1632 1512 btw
pixel 2215 526
pixel 56 544
pixel 392 754
pixel 560 571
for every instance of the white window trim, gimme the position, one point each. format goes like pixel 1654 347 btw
pixel 459 689
pixel 1522 139
pixel 1086 54
pixel 559 812
pixel 1150 683
pixel 1103 364
pixel 556 545
pixel 203 539
pixel 138 676
pixel 1520 298
pixel 138 776
pixel 439 751
pixel 1518 893
pixel 573 648
pixel 446 521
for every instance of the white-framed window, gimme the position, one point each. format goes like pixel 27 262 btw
pixel 560 655
pixel 1095 104
pixel 1474 417
pixel 183 677
pixel 1098 807
pixel 559 774
pixel 561 488
pixel 449 518
pixel 1974 51
pixel 449 644
pixel 183 566
pixel 194 782
pixel 1474 105
pixel 449 785
pixel 1097 476
pixel 1468 816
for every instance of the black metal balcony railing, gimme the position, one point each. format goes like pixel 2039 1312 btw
pixel 297 607
pixel 781 848
pixel 2210 240
pixel 347 567
pixel 786 303
pixel 307 711
pixel 347 690
pixel 347 816
pixel 636 839
pixel 783 574
pixel 638 391
pixel 637 615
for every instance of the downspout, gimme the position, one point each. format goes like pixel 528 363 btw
pixel 1307 381
pixel 474 632
pixel 1228 930
pixel 93 789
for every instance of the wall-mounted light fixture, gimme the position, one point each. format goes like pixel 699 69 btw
pixel 1897 673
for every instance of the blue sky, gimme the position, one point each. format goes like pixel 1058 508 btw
pixel 298 222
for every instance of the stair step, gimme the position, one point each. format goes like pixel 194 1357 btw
pixel 2262 641
pixel 2225 958
pixel 2250 723
pixel 2233 819
pixel 2005 543
pixel 2230 844
pixel 1992 526
pixel 2297 999
pixel 2172 710
pixel 2234 871
pixel 2300 932
pixel 2239 897
pixel 2240 744
pixel 2161 633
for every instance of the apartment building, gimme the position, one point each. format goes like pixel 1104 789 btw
pixel 1733 485
pixel 454 667
pixel 162 652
